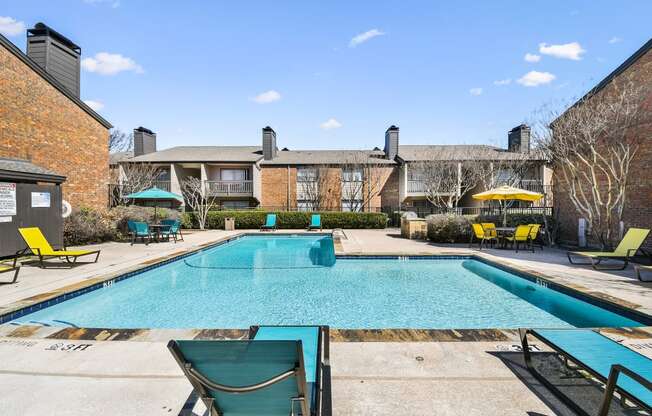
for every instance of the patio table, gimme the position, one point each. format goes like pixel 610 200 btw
pixel 157 228
pixel 503 232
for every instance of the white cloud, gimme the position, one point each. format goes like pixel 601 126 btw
pixel 363 37
pixel 10 26
pixel 531 57
pixel 615 39
pixel 330 124
pixel 536 78
pixel 267 97
pixel 475 91
pixel 506 81
pixel 571 50
pixel 105 63
pixel 113 3
pixel 94 104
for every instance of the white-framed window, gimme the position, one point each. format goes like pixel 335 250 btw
pixel 234 174
pixel 307 191
pixel 306 174
pixel 235 204
pixel 352 175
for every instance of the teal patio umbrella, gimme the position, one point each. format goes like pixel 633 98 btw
pixel 156 195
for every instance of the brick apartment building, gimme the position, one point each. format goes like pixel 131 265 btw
pixel 638 209
pixel 43 120
pixel 351 180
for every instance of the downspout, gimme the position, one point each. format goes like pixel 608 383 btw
pixel 288 190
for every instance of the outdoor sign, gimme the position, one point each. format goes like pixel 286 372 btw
pixel 5 219
pixel 7 198
pixel 40 200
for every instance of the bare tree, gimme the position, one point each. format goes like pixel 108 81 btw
pixel 445 181
pixel 591 146
pixel 197 198
pixel 313 186
pixel 120 141
pixel 363 178
pixel 132 178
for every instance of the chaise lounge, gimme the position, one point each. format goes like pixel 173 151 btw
pixel 315 222
pixel 279 370
pixel 270 223
pixel 619 368
pixel 628 247
pixel 6 268
pixel 39 246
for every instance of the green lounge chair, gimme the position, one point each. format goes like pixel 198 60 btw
pixel 270 223
pixel 140 230
pixel 621 369
pixel 174 230
pixel 638 269
pixel 628 247
pixel 280 370
pixel 8 268
pixel 315 222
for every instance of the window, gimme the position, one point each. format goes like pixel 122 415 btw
pixel 307 192
pixel 234 174
pixel 352 175
pixel 354 205
pixel 235 204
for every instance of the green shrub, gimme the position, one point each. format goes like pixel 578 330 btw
pixel 449 228
pixel 288 220
pixel 516 219
pixel 89 226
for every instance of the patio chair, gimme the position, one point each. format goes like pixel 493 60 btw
pixel 481 235
pixel 628 247
pixel 270 223
pixel 521 236
pixel 534 235
pixel 14 267
pixel 279 370
pixel 39 246
pixel 173 231
pixel 619 368
pixel 315 222
pixel 638 269
pixel 138 229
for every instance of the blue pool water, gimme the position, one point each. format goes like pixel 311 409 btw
pixel 297 280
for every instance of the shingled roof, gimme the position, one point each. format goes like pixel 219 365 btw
pixel 328 157
pixel 23 169
pixel 459 152
pixel 202 154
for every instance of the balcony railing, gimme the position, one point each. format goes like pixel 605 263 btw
pixel 416 186
pixel 230 188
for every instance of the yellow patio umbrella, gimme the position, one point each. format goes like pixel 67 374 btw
pixel 508 193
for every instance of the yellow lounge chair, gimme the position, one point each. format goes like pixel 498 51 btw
pixel 39 246
pixel 628 247
pixel 6 268
pixel 481 235
pixel 521 235
pixel 638 269
pixel 534 233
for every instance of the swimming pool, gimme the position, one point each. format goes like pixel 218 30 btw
pixel 296 279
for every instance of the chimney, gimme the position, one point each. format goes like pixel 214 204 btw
pixel 391 142
pixel 56 54
pixel 269 143
pixel 518 139
pixel 144 141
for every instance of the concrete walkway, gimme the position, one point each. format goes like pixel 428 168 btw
pixel 70 377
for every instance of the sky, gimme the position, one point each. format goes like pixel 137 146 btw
pixel 335 74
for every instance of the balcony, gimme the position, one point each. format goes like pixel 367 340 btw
pixel 230 188
pixel 415 186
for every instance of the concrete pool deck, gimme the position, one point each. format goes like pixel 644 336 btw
pixel 79 376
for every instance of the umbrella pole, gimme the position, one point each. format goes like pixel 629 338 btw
pixel 505 213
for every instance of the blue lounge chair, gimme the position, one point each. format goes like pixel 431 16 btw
pixel 174 229
pixel 621 369
pixel 140 230
pixel 280 370
pixel 270 223
pixel 315 222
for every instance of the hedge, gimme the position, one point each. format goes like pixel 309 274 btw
pixel 288 220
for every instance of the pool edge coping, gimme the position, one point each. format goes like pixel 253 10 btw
pixel 43 300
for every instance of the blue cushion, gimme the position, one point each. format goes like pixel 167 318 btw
pixel 315 221
pixel 599 353
pixel 271 220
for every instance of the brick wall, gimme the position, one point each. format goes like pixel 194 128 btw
pixel 389 194
pixel 39 123
pixel 638 209
pixel 274 183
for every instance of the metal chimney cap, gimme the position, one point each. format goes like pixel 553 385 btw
pixel 41 29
